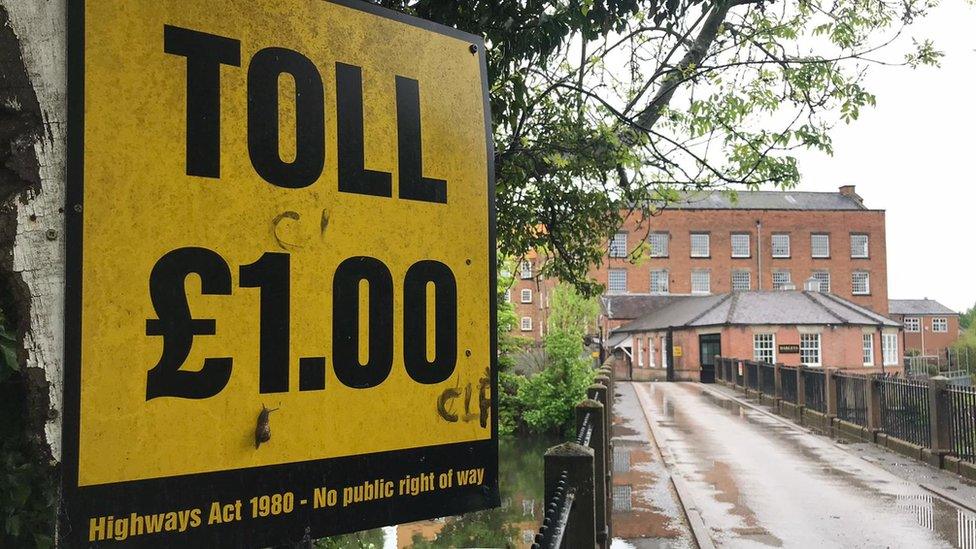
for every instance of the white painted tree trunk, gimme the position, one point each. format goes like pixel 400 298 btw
pixel 38 246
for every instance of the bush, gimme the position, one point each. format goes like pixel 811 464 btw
pixel 546 400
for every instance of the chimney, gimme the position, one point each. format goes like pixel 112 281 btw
pixel 812 285
pixel 848 191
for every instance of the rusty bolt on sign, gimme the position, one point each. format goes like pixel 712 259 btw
pixel 51 234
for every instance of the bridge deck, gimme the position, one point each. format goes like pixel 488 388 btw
pixel 757 480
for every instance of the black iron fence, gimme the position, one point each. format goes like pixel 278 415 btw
pixel 814 389
pixel 961 414
pixel 852 405
pixel 905 410
pixel 578 476
pixel 767 378
pixel 752 375
pixel 787 375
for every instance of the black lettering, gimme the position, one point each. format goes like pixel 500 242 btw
pixel 271 273
pixel 412 184
pixel 345 322
pixel 177 326
pixel 266 67
pixel 353 176
pixel 415 322
pixel 204 54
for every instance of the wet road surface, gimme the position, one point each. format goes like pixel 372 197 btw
pixel 758 481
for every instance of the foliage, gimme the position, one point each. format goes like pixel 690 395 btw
pixel 966 319
pixel 571 312
pixel 510 406
pixel 367 539
pixel 509 344
pixel 27 485
pixel 548 398
pixel 603 105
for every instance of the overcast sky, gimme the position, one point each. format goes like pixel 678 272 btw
pixel 913 156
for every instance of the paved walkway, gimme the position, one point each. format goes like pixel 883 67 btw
pixel 758 481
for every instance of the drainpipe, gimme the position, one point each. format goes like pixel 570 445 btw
pixel 759 254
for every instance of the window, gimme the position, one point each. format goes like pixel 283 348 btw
pixel 701 282
pixel 867 349
pixel 764 347
pixel 889 349
pixel 617 281
pixel 911 324
pixel 810 349
pixel 659 244
pixel 781 280
pixel 740 245
pixel 820 245
pixel 781 245
pixel 526 269
pixel 741 281
pixel 699 245
pixel 618 245
pixel 823 277
pixel 508 296
pixel 526 296
pixel 860 283
pixel 659 282
pixel 859 245
pixel 940 325
pixel 526 323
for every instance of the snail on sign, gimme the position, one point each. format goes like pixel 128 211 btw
pixel 262 433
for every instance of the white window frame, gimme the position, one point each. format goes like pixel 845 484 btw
pixel 651 359
pixel 889 349
pixel 610 286
pixel 867 283
pixel 783 238
pixel 821 281
pixel 748 245
pixel 781 284
pixel 667 244
pixel 748 277
pixel 825 253
pixel 764 345
pixel 913 324
pixel 867 349
pixel 508 296
pixel 856 252
pixel 525 270
pixel 703 275
pixel 526 324
pixel 701 245
pixel 810 343
pixel 667 281
pixel 618 245
pixel 526 295
pixel 940 324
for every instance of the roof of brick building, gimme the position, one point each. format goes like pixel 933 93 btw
pixel 918 307
pixel 769 307
pixel 630 306
pixel 768 200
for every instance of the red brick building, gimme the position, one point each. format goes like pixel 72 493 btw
pixel 529 296
pixel 929 326
pixel 790 327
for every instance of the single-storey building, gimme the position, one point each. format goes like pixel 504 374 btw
pixel 786 326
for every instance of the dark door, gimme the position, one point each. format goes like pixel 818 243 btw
pixel 709 345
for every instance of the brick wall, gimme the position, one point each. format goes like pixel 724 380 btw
pixel 934 341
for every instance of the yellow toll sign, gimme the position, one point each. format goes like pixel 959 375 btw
pixel 281 292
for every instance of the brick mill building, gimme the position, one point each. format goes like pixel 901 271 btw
pixel 929 326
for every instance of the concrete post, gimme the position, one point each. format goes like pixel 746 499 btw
pixel 777 382
pixel 577 462
pixel 801 392
pixel 873 400
pixel 939 418
pixel 598 442
pixel 830 390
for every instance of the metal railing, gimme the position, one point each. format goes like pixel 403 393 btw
pixel 852 405
pixel 788 376
pixel 752 375
pixel 579 476
pixel 961 415
pixel 814 393
pixel 905 410
pixel 738 369
pixel 767 379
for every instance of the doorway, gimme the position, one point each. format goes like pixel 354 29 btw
pixel 709 345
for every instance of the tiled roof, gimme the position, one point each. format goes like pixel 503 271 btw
pixel 767 200
pixel 757 308
pixel 918 307
pixel 630 306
